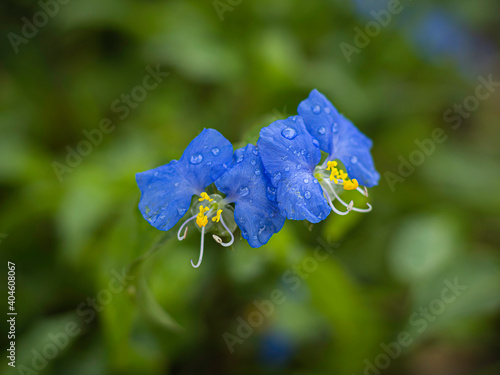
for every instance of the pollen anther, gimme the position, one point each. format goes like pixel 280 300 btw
pixel 204 197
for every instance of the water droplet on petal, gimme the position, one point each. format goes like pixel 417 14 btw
pixel 271 193
pixel 176 184
pixel 209 163
pixel 243 191
pixel 255 152
pixel 196 159
pixel 156 174
pixel 327 110
pixel 306 180
pixel 315 142
pixel 253 162
pixel 354 160
pixel 284 158
pixel 299 166
pixel 303 151
pixel 307 194
pixel 287 169
pixel 181 211
pixel 322 130
pixel 257 172
pixel 316 109
pixel 240 158
pixel 335 128
pixel 277 176
pixel 289 133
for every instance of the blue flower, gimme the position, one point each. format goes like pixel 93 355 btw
pixel 290 155
pixel 339 138
pixel 247 186
pixel 167 190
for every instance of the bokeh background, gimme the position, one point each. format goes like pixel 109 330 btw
pixel 70 237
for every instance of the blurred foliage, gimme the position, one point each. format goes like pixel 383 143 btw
pixel 68 239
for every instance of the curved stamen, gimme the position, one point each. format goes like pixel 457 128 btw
pixel 330 203
pixel 350 206
pixel 219 240
pixel 179 237
pixel 201 249
pixel 363 191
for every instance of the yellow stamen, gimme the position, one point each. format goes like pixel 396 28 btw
pixel 201 218
pixel 205 197
pixel 217 217
pixel 351 184
pixel 330 165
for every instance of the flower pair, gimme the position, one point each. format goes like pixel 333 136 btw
pixel 280 178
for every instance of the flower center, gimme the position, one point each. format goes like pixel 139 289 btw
pixel 341 177
pixel 211 209
pixel 331 178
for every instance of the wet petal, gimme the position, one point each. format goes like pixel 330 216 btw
pixel 290 154
pixel 246 184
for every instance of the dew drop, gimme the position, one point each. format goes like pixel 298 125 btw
pixel 209 163
pixel 327 110
pixel 196 159
pixel 322 130
pixel 315 142
pixel 299 166
pixel 287 169
pixel 316 109
pixel 307 194
pixel 257 172
pixel 215 151
pixel 335 128
pixel 277 176
pixel 181 211
pixel 253 162
pixel 306 180
pixel 354 160
pixel 255 152
pixel 176 184
pixel 284 158
pixel 156 174
pixel 240 159
pixel 289 133
pixel 243 191
pixel 271 193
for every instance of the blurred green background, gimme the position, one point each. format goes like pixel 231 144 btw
pixel 389 271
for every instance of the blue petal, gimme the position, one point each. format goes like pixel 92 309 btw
pixel 339 137
pixel 319 116
pixel 166 195
pixel 290 154
pixel 246 184
pixel 166 191
pixel 206 158
pixel 352 148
